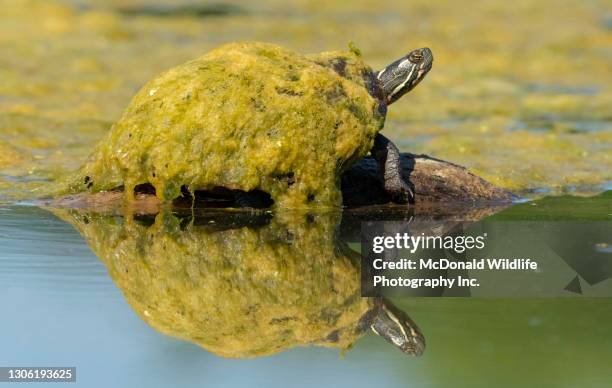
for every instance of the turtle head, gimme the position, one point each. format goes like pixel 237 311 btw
pixel 397 328
pixel 403 75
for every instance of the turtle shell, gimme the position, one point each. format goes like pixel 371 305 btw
pixel 246 116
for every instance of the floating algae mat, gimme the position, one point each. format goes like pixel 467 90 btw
pixel 523 103
pixel 248 116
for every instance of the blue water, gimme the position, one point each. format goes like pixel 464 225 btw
pixel 59 308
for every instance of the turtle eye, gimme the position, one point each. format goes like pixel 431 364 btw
pixel 415 57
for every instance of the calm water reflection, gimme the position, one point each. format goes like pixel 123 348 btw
pixel 242 285
pixel 62 308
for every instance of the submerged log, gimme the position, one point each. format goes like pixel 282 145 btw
pixel 437 184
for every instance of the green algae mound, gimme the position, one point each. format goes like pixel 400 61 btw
pixel 248 116
pixel 237 292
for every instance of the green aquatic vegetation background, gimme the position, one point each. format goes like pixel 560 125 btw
pixel 520 92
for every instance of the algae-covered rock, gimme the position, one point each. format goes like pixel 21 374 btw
pixel 250 116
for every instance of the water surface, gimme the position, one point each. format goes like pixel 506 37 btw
pixel 62 308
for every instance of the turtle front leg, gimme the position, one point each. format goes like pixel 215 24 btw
pixel 387 156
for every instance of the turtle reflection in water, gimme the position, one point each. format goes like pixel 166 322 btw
pixel 243 290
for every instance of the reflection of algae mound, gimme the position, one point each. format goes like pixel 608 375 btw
pixel 244 116
pixel 239 292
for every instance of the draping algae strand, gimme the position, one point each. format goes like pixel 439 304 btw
pixel 520 91
pixel 240 291
pixel 246 116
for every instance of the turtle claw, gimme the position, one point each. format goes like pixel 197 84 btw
pixel 399 191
